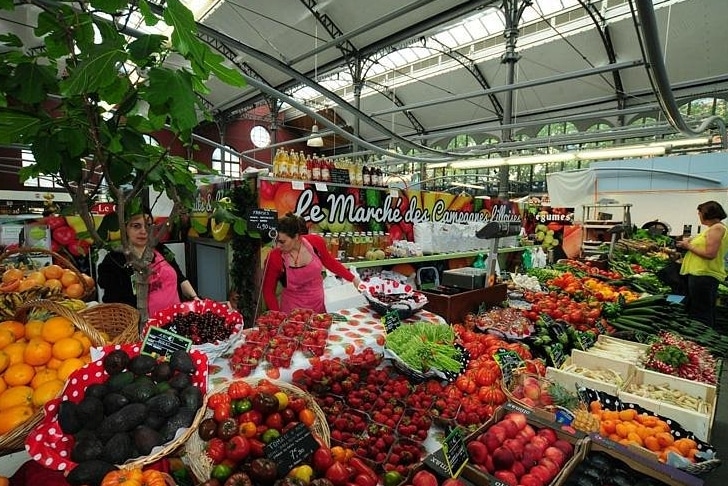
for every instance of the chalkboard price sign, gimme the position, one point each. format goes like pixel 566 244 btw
pixel 456 453
pixel 161 342
pixel 339 176
pixel 556 353
pixel 391 321
pixel 292 448
pixel 263 219
pixel 507 361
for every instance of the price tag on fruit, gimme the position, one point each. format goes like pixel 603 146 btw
pixel 391 321
pixel 507 361
pixel 161 342
pixel 290 449
pixel 556 354
pixel 456 454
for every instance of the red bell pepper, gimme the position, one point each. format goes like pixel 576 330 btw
pixel 64 235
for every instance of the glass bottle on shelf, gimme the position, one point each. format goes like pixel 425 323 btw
pixel 302 167
pixel 380 177
pixel 325 169
pixel 309 168
pixel 284 165
pixel 293 165
pixel 277 163
pixel 334 248
pixel 366 176
pixel 316 168
pixel 358 177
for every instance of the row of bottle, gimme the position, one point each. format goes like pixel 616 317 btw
pixel 353 246
pixel 292 165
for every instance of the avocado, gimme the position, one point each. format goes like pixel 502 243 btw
pixel 68 417
pixel 146 439
pixel 141 364
pixel 182 419
pixel 116 361
pixel 138 392
pixel 182 361
pixel 125 419
pixel 113 402
pixel 97 390
pixel 89 472
pixel 91 412
pixel 191 397
pixel 161 372
pixel 86 449
pixel 163 387
pixel 118 449
pixel 165 404
pixel 180 381
pixel 155 421
pixel 120 380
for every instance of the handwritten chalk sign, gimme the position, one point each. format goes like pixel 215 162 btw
pixel 456 454
pixel 391 321
pixel 291 449
pixel 262 219
pixel 339 176
pixel 508 361
pixel 160 342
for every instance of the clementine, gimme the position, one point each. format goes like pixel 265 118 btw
pixel 16 395
pixel 19 374
pixel 42 376
pixel 53 284
pixel 47 391
pixel 74 291
pixel 12 274
pixel 68 366
pixel 13 417
pixel 69 277
pixel 4 361
pixel 38 276
pixel 15 351
pixel 37 352
pixel 33 329
pixel 17 328
pixel 6 338
pixel 56 328
pixel 53 272
pixel 66 348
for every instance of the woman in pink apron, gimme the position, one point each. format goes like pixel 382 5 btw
pixel 298 261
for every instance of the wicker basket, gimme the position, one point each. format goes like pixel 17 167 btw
pixel 88 291
pixel 201 465
pixel 15 439
pixel 119 321
pixel 51 447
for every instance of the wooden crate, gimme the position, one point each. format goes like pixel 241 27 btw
pixel 583 359
pixel 454 308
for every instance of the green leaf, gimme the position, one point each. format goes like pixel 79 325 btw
pixel 115 92
pixel 11 40
pixel 149 18
pixel 171 92
pixel 214 64
pixel 74 141
pixel 15 127
pixel 145 46
pixel 110 37
pixel 109 6
pixel 46 155
pixel 7 5
pixel 93 74
pixel 180 18
pixel 34 82
pixel 241 226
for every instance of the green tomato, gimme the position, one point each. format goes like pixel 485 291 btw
pixel 221 472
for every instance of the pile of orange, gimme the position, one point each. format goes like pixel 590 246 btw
pixel 60 279
pixel 36 358
pixel 629 427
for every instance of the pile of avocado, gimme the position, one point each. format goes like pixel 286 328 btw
pixel 141 405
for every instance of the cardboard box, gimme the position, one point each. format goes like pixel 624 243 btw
pixel 453 308
pixel 578 440
pixel 581 359
pixel 699 422
pixel 641 461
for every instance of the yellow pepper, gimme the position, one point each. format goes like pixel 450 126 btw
pixel 304 472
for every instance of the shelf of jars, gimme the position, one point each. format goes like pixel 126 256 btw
pixel 428 258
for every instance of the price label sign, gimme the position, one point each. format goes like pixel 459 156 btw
pixel 586 339
pixel 600 327
pixel 161 342
pixel 507 361
pixel 456 454
pixel 262 219
pixel 391 321
pixel 291 449
pixel 340 176
pixel 555 352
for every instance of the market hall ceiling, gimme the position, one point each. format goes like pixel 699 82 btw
pixel 431 69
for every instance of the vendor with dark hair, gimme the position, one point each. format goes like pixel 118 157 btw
pixel 299 259
pixel 167 283
pixel 703 263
